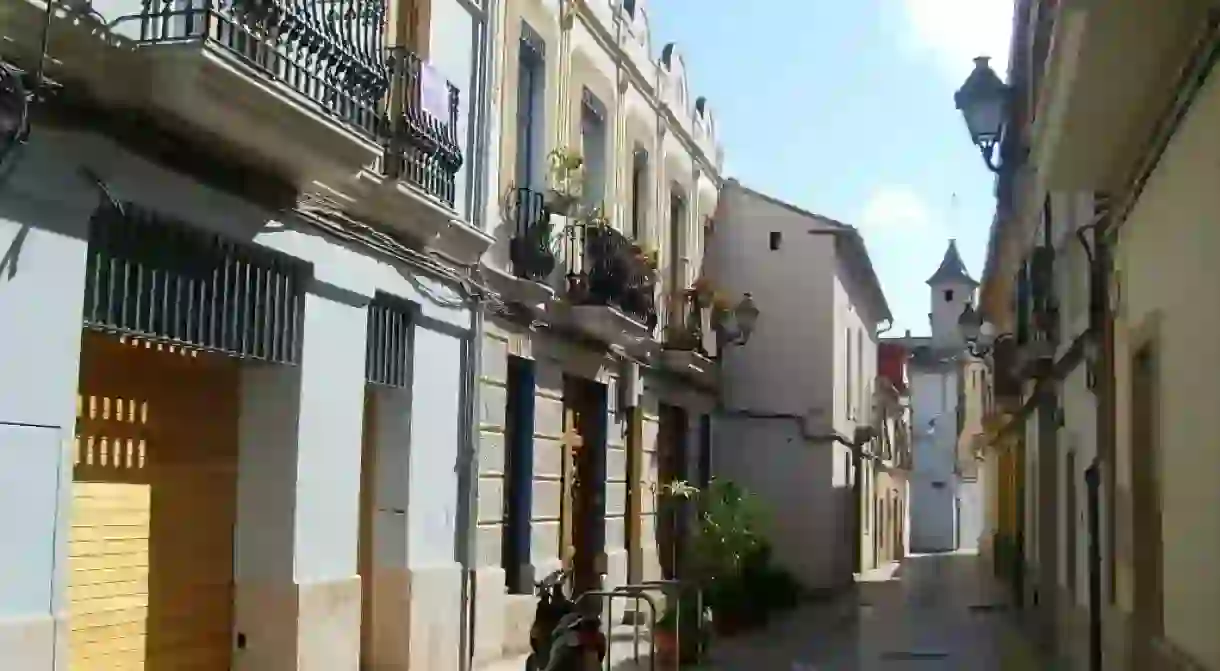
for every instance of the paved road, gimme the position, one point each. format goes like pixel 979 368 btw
pixel 934 612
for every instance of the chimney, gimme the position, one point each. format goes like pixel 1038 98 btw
pixel 908 333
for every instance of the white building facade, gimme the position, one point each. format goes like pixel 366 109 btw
pixel 239 338
pixel 798 393
pixel 946 491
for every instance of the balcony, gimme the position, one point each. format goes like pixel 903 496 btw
pixel 304 89
pixel 685 350
pixel 297 86
pixel 609 286
pixel 532 252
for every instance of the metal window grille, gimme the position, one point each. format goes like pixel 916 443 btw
pixel 390 341
pixel 154 277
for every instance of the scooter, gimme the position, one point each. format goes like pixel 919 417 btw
pixel 561 637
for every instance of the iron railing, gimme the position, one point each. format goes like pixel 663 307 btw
pixel 332 53
pixel 391 339
pixel 329 51
pixel 423 149
pixel 531 248
pixel 153 277
pixel 606 268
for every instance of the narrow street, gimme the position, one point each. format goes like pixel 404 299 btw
pixel 932 612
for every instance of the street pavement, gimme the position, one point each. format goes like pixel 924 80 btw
pixel 938 612
pixel 941 612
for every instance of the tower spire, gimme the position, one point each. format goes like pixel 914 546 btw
pixel 952 270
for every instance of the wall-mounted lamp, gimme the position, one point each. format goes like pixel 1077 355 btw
pixel 734 327
pixel 983 101
pixel 980 335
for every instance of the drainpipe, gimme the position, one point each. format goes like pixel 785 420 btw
pixel 1092 478
pixel 469 462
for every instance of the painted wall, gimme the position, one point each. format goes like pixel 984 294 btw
pixel 789 364
pixel 43 218
pixel 804 490
pixel 933 508
pixel 1164 270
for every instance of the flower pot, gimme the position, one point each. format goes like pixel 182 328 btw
pixel 666 641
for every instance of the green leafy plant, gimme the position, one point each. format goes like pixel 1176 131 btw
pixel 566 170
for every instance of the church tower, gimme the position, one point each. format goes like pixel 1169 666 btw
pixel 952 289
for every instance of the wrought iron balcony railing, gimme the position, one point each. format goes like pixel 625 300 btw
pixel 423 147
pixel 606 268
pixel 331 53
pixel 531 249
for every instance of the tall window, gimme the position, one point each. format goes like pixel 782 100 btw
pixel 863 403
pixel 531 97
pixel 593 138
pixel 677 221
pixel 639 188
pixel 848 398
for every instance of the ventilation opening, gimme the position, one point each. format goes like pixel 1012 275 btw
pixel 948 295
pixel 776 239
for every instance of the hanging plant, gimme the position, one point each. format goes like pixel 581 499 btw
pixel 566 167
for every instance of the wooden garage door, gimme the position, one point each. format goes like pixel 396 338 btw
pixel 153 506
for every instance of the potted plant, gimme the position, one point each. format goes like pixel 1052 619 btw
pixel 703 291
pixel 565 171
pixel 680 634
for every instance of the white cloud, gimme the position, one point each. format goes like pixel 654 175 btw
pixel 954 32
pixel 898 210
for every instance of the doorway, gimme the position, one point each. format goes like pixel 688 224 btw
pixel 673 466
pixel 1146 505
pixel 584 481
pixel 154 503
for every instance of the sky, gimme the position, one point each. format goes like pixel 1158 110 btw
pixel 846 109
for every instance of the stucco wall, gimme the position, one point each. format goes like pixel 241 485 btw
pixel 1163 288
pixel 44 213
pixel 934 430
pixel 805 495
pixel 789 364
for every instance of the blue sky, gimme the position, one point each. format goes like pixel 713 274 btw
pixel 846 109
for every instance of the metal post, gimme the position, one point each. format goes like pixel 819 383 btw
pixel 1092 478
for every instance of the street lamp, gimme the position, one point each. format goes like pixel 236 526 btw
pixel 983 101
pixel 980 335
pixel 734 327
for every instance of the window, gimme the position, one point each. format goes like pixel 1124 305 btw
pixel 518 474
pixel 677 222
pixel 863 402
pixel 948 295
pixel 639 187
pixel 776 239
pixel 593 140
pixel 848 398
pixel 531 101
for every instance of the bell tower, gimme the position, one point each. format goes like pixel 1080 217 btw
pixel 952 289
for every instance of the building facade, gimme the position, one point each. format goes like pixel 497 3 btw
pixel 237 292
pixel 1097 254
pixel 947 501
pixel 798 399
pixel 890 502
pixel 598 378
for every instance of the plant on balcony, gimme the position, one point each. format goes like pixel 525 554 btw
pixel 703 291
pixel 565 174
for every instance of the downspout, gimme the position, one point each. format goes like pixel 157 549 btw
pixel 472 371
pixel 469 463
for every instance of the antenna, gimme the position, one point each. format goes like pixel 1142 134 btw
pixel 953 219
